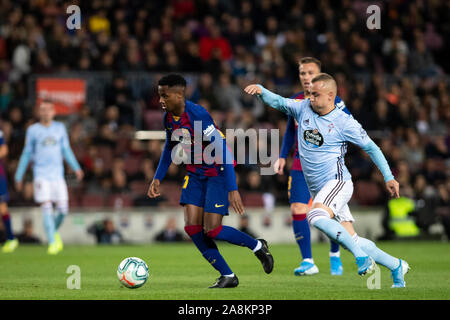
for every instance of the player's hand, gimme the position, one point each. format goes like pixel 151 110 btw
pixel 19 186
pixel 393 187
pixel 79 174
pixel 253 89
pixel 236 202
pixel 153 190
pixel 279 166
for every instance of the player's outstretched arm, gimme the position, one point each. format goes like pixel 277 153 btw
pixel 288 106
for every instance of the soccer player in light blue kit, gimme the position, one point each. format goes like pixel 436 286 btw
pixel 323 133
pixel 46 145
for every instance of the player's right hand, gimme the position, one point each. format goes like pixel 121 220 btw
pixel 253 89
pixel 393 187
pixel 153 190
pixel 279 166
pixel 19 186
pixel 236 202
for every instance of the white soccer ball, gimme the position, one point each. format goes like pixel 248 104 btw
pixel 132 272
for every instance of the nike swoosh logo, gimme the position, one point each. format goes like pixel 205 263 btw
pixel 219 206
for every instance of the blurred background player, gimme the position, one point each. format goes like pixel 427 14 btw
pixel 46 145
pixel 11 242
pixel 325 132
pixel 210 185
pixel 298 192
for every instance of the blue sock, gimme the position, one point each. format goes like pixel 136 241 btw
pixel 233 236
pixel 59 220
pixel 377 254
pixel 302 234
pixel 335 231
pixel 208 249
pixel 334 246
pixel 7 222
pixel 49 222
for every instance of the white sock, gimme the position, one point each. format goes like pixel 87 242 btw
pixel 310 260
pixel 229 275
pixel 335 254
pixel 258 246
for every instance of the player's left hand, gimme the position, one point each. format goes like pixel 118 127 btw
pixel 393 187
pixel 253 89
pixel 236 202
pixel 79 174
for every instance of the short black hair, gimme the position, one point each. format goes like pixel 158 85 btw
pixel 172 80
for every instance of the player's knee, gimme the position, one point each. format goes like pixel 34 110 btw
pixel 299 208
pixel 46 206
pixel 319 205
pixel 316 214
pixel 193 229
pixel 213 231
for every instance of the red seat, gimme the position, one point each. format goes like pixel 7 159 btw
pixel 253 199
pixel 154 119
pixel 366 193
pixel 132 165
pixel 122 200
pixel 139 187
pixel 92 200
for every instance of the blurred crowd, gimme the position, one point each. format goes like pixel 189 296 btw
pixel 394 80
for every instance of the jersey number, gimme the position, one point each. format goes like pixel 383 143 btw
pixel 186 180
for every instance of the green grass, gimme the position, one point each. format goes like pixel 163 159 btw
pixel 178 272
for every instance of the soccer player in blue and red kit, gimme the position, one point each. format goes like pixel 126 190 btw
pixel 210 185
pixel 299 196
pixel 11 242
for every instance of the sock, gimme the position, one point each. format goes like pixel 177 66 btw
pixel 334 247
pixel 377 254
pixel 233 236
pixel 62 209
pixel 49 222
pixel 258 246
pixel 208 249
pixel 7 222
pixel 302 234
pixel 320 219
pixel 59 220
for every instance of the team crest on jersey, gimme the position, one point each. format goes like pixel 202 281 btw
pixel 313 137
pixel 306 122
pixel 49 141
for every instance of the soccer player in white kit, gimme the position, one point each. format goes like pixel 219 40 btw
pixel 323 133
pixel 46 145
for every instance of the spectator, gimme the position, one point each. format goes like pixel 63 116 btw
pixel 105 232
pixel 27 235
pixel 170 233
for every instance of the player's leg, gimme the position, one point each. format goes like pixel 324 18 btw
pixel 11 242
pixel 42 195
pixel 192 199
pixel 61 198
pixel 328 202
pixel 397 266
pixel 216 206
pixel 299 198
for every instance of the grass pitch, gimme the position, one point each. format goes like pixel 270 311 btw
pixel 179 272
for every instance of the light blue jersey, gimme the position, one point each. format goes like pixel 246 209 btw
pixel 46 147
pixel 323 140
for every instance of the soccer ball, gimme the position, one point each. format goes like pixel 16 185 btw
pixel 132 272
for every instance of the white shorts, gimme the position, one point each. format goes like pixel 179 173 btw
pixel 50 190
pixel 335 195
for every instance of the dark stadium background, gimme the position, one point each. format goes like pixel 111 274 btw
pixel 394 81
